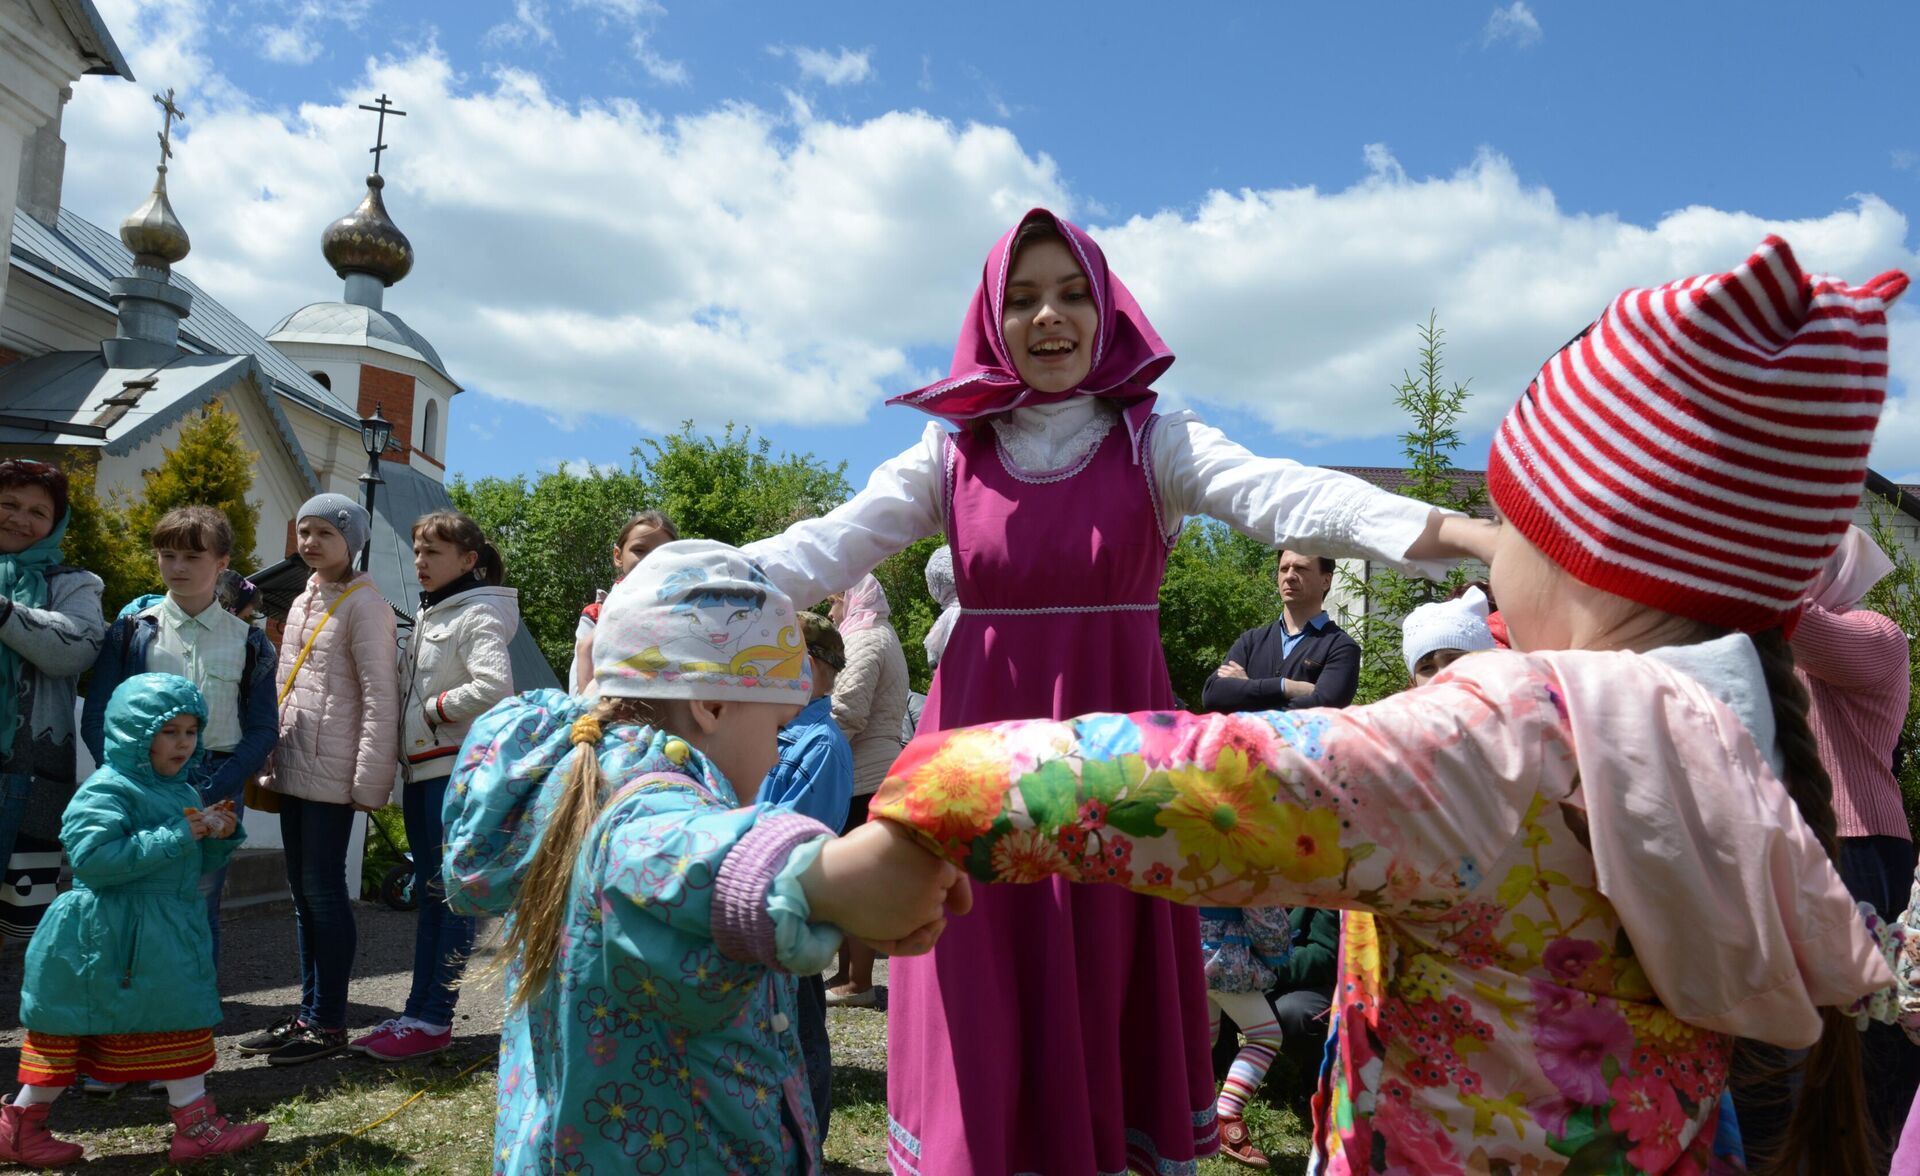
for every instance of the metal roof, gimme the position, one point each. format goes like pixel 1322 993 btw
pixel 360 326
pixel 74 398
pixel 90 33
pixel 82 258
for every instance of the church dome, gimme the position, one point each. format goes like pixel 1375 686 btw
pixel 152 231
pixel 349 324
pixel 366 241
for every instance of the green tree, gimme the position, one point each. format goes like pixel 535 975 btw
pixel 556 533
pixel 1219 584
pixel 211 465
pixel 1433 408
pixel 99 540
pixel 903 576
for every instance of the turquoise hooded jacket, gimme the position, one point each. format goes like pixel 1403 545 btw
pixel 127 949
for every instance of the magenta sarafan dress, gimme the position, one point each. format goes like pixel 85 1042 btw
pixel 1093 999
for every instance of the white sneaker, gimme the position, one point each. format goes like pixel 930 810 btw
pixel 866 998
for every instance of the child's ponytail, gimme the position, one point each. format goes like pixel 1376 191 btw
pixel 534 938
pixel 1829 1130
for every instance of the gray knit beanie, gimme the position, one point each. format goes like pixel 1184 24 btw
pixel 346 516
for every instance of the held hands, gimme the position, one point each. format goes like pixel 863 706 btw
pixel 215 821
pixel 877 885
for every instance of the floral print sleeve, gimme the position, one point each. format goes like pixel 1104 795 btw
pixel 1393 807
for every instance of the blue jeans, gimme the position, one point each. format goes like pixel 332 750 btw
pixel 442 941
pixel 315 835
pixel 213 883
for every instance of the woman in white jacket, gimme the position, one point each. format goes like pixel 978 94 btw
pixel 870 708
pixel 456 669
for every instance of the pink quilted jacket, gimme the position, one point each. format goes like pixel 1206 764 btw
pixel 340 724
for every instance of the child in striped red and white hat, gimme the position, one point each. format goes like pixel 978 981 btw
pixel 1592 862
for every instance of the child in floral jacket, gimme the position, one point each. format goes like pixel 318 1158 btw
pixel 1590 866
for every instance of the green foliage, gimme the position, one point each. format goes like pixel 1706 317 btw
pixel 99 539
pixel 1898 597
pixel 556 534
pixel 1433 408
pixel 1219 584
pixel 904 577
pixel 210 466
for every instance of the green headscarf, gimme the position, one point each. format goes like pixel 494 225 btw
pixel 23 580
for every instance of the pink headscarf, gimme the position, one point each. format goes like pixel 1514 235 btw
pixel 864 607
pixel 1128 355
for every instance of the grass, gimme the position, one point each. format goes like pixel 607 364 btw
pixel 450 1128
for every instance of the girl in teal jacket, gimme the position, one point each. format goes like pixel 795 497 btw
pixel 119 980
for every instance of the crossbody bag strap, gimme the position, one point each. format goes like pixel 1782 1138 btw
pixel 315 636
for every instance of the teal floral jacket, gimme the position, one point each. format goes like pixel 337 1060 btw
pixel 663 1041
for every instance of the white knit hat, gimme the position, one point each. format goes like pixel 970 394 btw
pixel 698 619
pixel 1460 624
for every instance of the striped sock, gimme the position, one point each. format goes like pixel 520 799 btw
pixel 1249 1067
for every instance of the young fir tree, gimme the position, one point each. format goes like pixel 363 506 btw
pixel 211 465
pixel 99 540
pixel 1433 408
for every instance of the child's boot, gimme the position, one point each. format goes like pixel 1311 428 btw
pixel 25 1140
pixel 1236 1142
pixel 200 1131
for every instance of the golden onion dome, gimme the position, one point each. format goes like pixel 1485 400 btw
pixel 155 235
pixel 366 241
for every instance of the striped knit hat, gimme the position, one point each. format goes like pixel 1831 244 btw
pixel 1701 447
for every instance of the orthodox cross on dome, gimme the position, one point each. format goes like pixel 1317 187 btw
pixel 383 108
pixel 166 133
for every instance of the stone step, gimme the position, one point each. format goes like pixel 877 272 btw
pixel 256 876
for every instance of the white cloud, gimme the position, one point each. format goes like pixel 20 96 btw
pixel 1515 23
pixel 1904 159
pixel 299 38
pixel 529 26
pixel 843 68
pixel 660 69
pixel 740 263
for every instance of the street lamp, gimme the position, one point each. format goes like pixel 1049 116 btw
pixel 375 432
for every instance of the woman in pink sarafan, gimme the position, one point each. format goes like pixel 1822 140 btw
pixel 1063 1028
pixel 1591 863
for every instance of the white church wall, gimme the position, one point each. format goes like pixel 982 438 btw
pixel 38 319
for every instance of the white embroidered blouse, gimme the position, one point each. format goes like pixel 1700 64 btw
pixel 1197 469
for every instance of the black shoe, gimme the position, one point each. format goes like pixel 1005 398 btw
pixel 272 1037
pixel 309 1044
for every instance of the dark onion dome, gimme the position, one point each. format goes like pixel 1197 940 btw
pixel 155 235
pixel 366 241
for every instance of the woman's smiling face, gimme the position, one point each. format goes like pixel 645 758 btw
pixel 1050 319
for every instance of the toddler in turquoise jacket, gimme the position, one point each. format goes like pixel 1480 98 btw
pixel 119 980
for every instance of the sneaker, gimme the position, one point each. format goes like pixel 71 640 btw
pixel 379 1032
pixel 89 1085
pixel 309 1044
pixel 408 1042
pixel 201 1131
pixel 272 1037
pixel 1236 1142
pixel 847 998
pixel 25 1140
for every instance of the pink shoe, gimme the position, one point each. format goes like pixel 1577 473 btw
pixel 407 1042
pixel 379 1032
pixel 199 1131
pixel 25 1140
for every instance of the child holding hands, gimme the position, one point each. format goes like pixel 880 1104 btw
pixel 1591 864
pixel 119 982
pixel 656 915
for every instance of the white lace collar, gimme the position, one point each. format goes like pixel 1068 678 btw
pixel 1046 438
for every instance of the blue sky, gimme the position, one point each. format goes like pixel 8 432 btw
pixel 771 213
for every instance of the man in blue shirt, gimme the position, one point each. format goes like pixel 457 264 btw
pixel 1301 660
pixel 815 777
